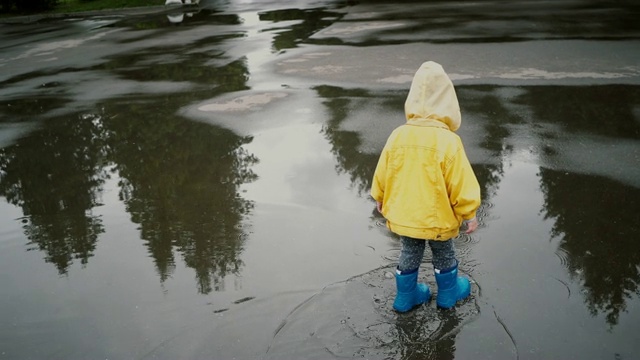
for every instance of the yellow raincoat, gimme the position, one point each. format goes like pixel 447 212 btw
pixel 423 178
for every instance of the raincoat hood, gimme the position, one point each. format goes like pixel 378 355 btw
pixel 432 100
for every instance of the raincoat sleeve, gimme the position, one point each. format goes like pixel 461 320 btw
pixel 379 177
pixel 462 186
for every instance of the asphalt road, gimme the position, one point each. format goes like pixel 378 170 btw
pixel 193 183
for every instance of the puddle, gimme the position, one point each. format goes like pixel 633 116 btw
pixel 355 319
pixel 243 103
pixel 181 190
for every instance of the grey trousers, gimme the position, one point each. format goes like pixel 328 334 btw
pixel 444 254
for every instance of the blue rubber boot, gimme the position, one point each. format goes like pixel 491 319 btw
pixel 410 293
pixel 451 288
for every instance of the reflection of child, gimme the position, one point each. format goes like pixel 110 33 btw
pixel 424 186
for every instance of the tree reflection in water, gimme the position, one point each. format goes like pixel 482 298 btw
pixel 595 217
pixel 55 175
pixel 345 145
pixel 596 222
pixel 483 104
pixel 290 35
pixel 605 110
pixel 179 181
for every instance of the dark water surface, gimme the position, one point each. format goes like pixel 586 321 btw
pixel 195 185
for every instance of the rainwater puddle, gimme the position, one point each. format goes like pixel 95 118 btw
pixel 195 185
pixel 354 318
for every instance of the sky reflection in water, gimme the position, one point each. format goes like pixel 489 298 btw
pixel 116 196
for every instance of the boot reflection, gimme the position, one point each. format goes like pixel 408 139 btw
pixel 428 337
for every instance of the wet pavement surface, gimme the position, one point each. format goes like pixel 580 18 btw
pixel 195 184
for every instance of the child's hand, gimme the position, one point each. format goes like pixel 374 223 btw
pixel 472 225
pixel 379 207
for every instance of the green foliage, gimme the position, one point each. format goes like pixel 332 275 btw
pixel 71 6
pixel 27 6
pixel 18 7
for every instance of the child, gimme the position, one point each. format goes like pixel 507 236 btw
pixel 424 186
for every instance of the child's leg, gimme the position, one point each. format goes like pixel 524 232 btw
pixel 444 254
pixel 411 254
pixel 410 293
pixel 451 287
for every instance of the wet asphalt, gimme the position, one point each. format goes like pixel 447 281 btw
pixel 193 183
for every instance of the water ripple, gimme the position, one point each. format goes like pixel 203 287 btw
pixel 464 240
pixel 563 256
pixel 362 328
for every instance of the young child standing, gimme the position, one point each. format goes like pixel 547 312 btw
pixel 426 189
